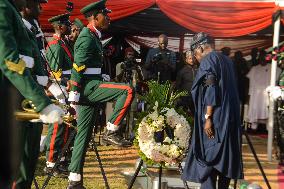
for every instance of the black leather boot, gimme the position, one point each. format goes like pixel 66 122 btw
pixel 114 138
pixel 75 185
pixel 63 167
pixel 56 172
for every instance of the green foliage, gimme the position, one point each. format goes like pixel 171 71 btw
pixel 161 93
pixel 165 96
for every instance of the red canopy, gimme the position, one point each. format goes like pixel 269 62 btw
pixel 218 18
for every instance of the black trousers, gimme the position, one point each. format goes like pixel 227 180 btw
pixel 223 182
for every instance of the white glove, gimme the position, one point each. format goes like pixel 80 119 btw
pixel 42 80
pixel 106 77
pixel 58 92
pixel 51 114
pixel 74 96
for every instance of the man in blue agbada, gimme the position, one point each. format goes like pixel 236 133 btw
pixel 216 142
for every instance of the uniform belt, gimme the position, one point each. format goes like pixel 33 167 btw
pixel 66 72
pixel 92 71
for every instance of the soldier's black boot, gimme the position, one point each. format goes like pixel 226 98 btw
pixel 114 138
pixel 56 172
pixel 63 167
pixel 75 185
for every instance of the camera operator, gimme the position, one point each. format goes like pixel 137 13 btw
pixel 129 71
pixel 161 62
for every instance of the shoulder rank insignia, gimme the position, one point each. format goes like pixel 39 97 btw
pixel 79 68
pixel 57 74
pixel 16 67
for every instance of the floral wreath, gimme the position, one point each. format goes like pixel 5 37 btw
pixel 170 150
pixel 163 134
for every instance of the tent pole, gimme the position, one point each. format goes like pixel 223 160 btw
pixel 181 44
pixel 272 83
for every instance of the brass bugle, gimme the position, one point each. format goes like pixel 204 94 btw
pixel 29 112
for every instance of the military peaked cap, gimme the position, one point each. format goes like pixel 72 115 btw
pixel 61 19
pixel 95 8
pixel 77 22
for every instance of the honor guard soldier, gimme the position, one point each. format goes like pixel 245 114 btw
pixel 30 13
pixel 16 62
pixel 76 27
pixel 60 57
pixel 88 88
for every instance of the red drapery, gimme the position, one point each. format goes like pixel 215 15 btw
pixel 219 19
pixel 120 9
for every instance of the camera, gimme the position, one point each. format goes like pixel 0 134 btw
pixel 128 66
pixel 160 56
pixel 157 57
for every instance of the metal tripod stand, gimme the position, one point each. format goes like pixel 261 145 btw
pixel 257 161
pixel 94 146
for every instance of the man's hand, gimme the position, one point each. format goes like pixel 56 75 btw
pixel 209 129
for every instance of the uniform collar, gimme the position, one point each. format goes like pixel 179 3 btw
pixel 57 37
pixel 95 30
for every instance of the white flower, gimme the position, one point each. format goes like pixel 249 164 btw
pixel 167 140
pixel 171 149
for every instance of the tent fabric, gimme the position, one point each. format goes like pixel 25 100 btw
pixel 219 18
pixel 120 9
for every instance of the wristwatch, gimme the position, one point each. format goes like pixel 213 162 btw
pixel 207 116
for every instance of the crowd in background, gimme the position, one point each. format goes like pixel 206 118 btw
pixel 252 72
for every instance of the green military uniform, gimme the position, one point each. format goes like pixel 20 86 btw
pixel 31 132
pixel 16 43
pixel 281 79
pixel 60 57
pixel 88 85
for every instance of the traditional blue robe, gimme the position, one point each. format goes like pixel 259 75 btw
pixel 215 85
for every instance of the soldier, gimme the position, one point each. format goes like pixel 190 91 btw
pixel 87 89
pixel 15 63
pixel 60 57
pixel 76 27
pixel 32 132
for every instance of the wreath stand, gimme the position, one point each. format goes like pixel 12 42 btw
pixel 160 169
pixel 160 175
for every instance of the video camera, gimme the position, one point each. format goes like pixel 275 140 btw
pixel 129 65
pixel 159 56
